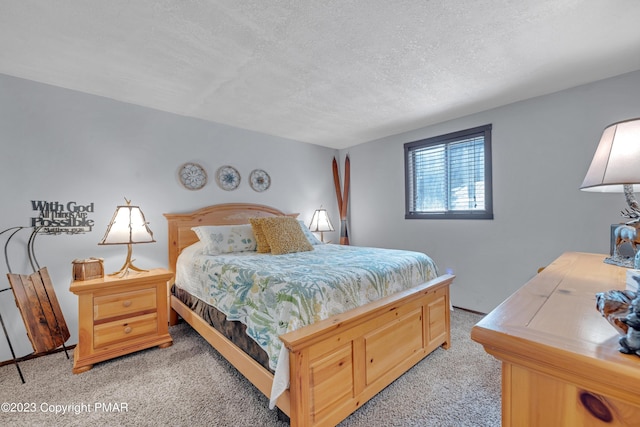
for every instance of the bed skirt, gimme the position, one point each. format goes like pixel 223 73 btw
pixel 233 330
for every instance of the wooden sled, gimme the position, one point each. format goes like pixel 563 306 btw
pixel 40 311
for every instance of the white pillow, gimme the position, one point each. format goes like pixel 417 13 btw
pixel 224 239
pixel 310 236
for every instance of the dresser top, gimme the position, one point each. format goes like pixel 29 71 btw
pixel 553 320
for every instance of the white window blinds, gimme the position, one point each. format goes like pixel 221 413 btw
pixel 446 176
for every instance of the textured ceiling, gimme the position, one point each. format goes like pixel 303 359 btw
pixel 329 72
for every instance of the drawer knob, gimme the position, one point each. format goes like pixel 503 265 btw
pixel 126 303
pixel 127 329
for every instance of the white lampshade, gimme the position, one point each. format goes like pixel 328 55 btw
pixel 128 226
pixel 616 162
pixel 320 222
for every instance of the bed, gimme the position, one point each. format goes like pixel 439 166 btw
pixel 335 364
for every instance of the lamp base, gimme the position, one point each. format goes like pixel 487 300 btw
pixel 128 265
pixel 322 238
pixel 126 268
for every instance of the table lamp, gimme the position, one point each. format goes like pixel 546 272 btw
pixel 127 227
pixel 320 223
pixel 615 167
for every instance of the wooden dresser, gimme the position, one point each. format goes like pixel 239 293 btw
pixel 560 359
pixel 117 316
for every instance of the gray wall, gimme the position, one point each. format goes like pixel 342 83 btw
pixel 542 148
pixel 60 145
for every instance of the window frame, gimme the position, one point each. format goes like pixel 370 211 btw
pixel 487 212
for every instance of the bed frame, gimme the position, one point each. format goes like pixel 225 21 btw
pixel 337 364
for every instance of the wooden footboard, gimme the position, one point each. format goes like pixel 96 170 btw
pixel 338 364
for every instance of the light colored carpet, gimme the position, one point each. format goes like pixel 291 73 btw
pixel 190 384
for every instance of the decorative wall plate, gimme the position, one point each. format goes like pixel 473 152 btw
pixel 192 176
pixel 259 180
pixel 228 178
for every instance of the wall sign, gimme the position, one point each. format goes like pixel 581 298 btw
pixel 58 217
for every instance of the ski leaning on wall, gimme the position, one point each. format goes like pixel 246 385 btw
pixel 343 198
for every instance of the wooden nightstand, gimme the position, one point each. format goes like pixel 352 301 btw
pixel 117 316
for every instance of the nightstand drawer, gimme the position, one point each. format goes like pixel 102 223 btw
pixel 107 306
pixel 126 329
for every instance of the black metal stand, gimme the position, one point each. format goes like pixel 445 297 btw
pixel 13 354
pixel 35 266
pixel 4 328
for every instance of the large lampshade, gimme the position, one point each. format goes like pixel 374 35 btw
pixel 616 162
pixel 127 227
pixel 615 168
pixel 320 222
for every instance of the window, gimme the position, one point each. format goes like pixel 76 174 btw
pixel 449 176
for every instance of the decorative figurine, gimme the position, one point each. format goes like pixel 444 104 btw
pixel 615 305
pixel 625 233
pixel 628 232
pixel 630 343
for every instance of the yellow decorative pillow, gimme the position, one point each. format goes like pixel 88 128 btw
pixel 261 240
pixel 284 235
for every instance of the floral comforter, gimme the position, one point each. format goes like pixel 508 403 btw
pixel 276 294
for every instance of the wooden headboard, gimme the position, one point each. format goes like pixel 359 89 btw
pixel 180 234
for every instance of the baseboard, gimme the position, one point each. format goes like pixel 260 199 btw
pixel 469 311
